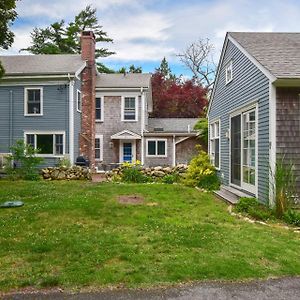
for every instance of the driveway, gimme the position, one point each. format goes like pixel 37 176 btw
pixel 284 288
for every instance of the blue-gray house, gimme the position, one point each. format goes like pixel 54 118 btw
pixel 254 112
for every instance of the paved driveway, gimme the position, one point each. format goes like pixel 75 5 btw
pixel 285 288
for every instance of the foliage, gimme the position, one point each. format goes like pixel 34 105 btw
pixel 62 38
pixel 202 127
pixel 177 99
pixel 7 16
pixel 201 173
pixel 64 162
pixel 254 209
pixel 23 162
pixel 171 178
pixel 292 217
pixel 165 70
pixel 284 186
pixel 178 234
pixel 198 58
pixel 131 172
pixel 132 69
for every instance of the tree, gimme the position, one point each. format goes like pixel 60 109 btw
pixel 198 58
pixel 176 99
pixel 132 69
pixel 7 16
pixel 62 38
pixel 165 70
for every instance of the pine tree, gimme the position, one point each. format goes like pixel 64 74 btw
pixel 165 70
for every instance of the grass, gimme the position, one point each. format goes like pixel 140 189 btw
pixel 77 235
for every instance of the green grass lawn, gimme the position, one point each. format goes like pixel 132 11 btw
pixel 77 235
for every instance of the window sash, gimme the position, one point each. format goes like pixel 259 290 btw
pixel 99 148
pixel 215 144
pixel 33 101
pixel 129 108
pixel 156 148
pixel 79 101
pixel 98 109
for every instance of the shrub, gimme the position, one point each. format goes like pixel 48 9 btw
pixel 23 162
pixel 245 204
pixel 292 217
pixel 201 173
pixel 131 172
pixel 170 178
pixel 64 162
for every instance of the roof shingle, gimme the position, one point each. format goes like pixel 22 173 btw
pixel 129 80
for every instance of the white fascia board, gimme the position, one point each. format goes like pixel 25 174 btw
pixel 77 73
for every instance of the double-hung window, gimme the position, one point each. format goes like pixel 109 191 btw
pixel 79 101
pixel 99 109
pixel 228 72
pixel 129 109
pixel 215 143
pixel 99 147
pixel 47 143
pixel 33 104
pixel 157 148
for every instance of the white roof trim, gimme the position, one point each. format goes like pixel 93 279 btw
pixel 125 135
pixel 266 72
pixel 77 73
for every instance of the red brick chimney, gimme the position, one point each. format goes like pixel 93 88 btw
pixel 87 136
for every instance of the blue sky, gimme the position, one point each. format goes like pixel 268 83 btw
pixel 145 31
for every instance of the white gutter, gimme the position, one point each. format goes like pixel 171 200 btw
pixel 142 124
pixel 71 121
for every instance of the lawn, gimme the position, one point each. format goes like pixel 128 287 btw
pixel 77 235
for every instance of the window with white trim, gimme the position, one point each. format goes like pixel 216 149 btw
pixel 99 109
pixel 79 101
pixel 99 147
pixel 228 72
pixel 215 143
pixel 129 112
pixel 33 101
pixel 157 148
pixel 46 143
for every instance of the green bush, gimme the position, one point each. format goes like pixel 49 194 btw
pixel 253 208
pixel 131 172
pixel 292 217
pixel 170 178
pixel 201 173
pixel 64 162
pixel 23 162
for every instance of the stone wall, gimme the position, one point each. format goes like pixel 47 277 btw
pixel 65 173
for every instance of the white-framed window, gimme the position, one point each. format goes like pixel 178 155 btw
pixel 48 143
pixel 129 108
pixel 228 72
pixel 214 146
pixel 33 101
pixel 99 147
pixel 99 106
pixel 157 147
pixel 78 101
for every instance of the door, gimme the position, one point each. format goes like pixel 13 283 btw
pixel 243 158
pixel 236 150
pixel 127 151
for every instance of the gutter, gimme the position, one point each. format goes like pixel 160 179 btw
pixel 71 120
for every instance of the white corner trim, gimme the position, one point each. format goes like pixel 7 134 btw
pixel 123 108
pixel 273 142
pixel 156 147
pixel 26 114
pixel 71 121
pixel 174 151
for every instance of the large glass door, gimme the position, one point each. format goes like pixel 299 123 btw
pixel 235 150
pixel 249 141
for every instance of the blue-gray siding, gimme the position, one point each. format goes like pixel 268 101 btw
pixel 248 84
pixel 55 115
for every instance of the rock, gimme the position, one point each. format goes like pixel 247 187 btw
pixel 46 175
pixel 61 175
pixel 158 173
pixel 167 170
pixel 54 174
pixel 158 168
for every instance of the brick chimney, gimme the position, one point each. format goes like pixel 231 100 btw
pixel 87 136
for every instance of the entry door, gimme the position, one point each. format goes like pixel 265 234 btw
pixel 236 150
pixel 127 151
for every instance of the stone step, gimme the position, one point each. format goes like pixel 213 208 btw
pixel 231 195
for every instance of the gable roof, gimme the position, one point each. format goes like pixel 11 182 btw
pixel 46 64
pixel 128 80
pixel 278 52
pixel 125 135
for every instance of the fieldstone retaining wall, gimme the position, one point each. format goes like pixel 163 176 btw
pixel 65 173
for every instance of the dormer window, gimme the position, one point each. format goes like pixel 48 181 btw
pixel 228 72
pixel 33 102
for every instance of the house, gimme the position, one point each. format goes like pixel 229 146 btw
pixel 61 105
pixel 254 112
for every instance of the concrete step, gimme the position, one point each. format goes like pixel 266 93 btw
pixel 231 195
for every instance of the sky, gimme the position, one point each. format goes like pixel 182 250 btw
pixel 145 31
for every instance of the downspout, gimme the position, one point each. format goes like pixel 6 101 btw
pixel 174 151
pixel 10 119
pixel 142 125
pixel 71 120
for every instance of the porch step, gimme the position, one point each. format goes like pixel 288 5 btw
pixel 231 195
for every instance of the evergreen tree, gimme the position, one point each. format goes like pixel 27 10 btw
pixel 7 16
pixel 165 70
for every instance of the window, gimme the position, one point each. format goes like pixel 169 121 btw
pixel 157 148
pixel 99 109
pixel 99 147
pixel 228 72
pixel 33 105
pixel 79 102
pixel 47 143
pixel 215 143
pixel 129 109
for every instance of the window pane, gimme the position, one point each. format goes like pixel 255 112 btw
pixel 130 102
pixel 129 108
pixel 45 143
pixel 79 101
pixel 59 144
pixel 217 152
pixel 161 148
pixel 98 109
pixel 30 139
pixel 151 147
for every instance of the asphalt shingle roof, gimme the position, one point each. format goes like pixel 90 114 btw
pixel 41 64
pixel 129 80
pixel 277 52
pixel 172 124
